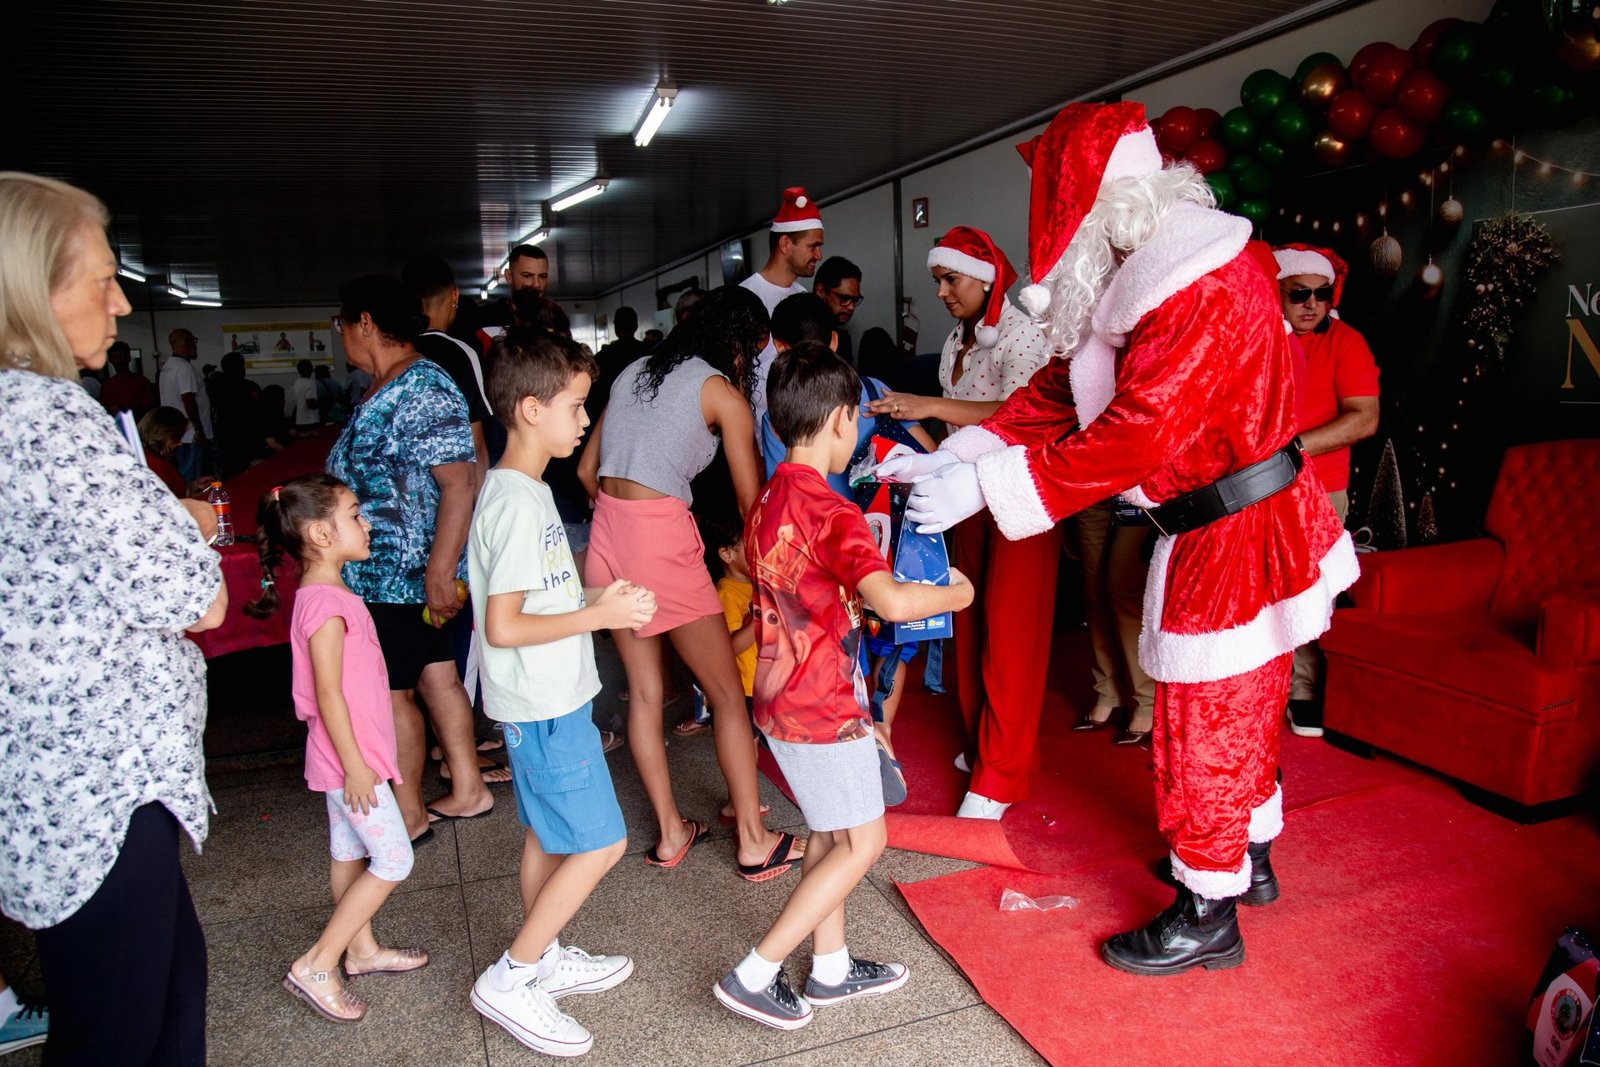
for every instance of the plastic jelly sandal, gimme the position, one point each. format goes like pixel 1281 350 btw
pixel 325 992
pixel 385 961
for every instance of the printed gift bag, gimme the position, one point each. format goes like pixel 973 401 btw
pixel 1563 1002
pixel 913 556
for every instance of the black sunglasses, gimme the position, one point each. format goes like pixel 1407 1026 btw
pixel 1323 293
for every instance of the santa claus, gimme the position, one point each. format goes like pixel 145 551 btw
pixel 1177 397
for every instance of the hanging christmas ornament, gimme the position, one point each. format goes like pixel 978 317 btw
pixel 1386 255
pixel 1431 277
pixel 1451 212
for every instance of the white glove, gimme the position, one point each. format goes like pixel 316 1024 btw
pixel 913 466
pixel 944 498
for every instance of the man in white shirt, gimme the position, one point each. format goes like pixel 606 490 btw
pixel 794 250
pixel 181 388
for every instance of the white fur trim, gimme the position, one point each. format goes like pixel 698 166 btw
pixel 1136 496
pixel 1190 242
pixel 1135 156
pixel 1213 885
pixel 1266 820
pixel 797 225
pixel 1093 375
pixel 1035 300
pixel 1011 493
pixel 799 201
pixel 960 262
pixel 1292 261
pixel 970 442
pixel 986 336
pixel 1278 628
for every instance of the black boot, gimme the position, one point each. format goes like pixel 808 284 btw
pixel 1263 883
pixel 1193 932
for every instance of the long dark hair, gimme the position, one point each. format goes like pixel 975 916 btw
pixel 281 518
pixel 727 330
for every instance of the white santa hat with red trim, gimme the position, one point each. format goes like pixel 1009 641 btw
pixel 1084 147
pixel 974 253
pixel 798 212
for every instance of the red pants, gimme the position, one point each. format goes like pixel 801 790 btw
pixel 1216 756
pixel 1002 650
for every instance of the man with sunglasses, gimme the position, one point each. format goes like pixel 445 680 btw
pixel 838 283
pixel 1338 406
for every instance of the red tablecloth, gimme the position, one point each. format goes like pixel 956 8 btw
pixel 241 568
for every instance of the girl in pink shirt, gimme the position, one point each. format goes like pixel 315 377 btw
pixel 341 691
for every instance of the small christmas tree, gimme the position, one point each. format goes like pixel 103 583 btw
pixel 1386 508
pixel 1427 525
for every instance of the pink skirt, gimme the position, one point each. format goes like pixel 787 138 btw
pixel 653 543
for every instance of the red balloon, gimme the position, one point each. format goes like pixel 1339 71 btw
pixel 1207 155
pixel 1421 96
pixel 1180 128
pixel 1210 121
pixel 1422 50
pixel 1383 73
pixel 1350 114
pixel 1362 59
pixel 1393 136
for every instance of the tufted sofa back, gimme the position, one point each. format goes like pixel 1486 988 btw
pixel 1546 511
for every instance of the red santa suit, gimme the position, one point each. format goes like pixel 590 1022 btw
pixel 1185 378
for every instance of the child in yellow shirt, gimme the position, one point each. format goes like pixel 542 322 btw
pixel 724 543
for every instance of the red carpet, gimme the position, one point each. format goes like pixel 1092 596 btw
pixel 1412 926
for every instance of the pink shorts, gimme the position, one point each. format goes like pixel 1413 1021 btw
pixel 653 543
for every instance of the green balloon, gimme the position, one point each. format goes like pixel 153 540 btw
pixel 1255 179
pixel 1255 209
pixel 1455 54
pixel 1239 131
pixel 1312 62
pixel 1222 187
pixel 1465 121
pixel 1553 105
pixel 1291 126
pixel 1495 79
pixel 1263 91
pixel 1271 153
pixel 1238 163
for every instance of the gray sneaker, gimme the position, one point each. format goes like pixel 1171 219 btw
pixel 864 979
pixel 776 1005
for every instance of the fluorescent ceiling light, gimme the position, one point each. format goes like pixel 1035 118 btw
pixel 196 302
pixel 655 114
pixel 178 291
pixel 538 236
pixel 129 272
pixel 580 194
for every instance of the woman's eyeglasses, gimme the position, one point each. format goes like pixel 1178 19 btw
pixel 1323 293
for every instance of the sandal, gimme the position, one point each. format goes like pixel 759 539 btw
pixel 494 744
pixel 690 728
pixel 727 819
pixel 326 993
pixel 610 741
pixel 385 961
pixel 486 768
pixel 773 865
pixel 698 832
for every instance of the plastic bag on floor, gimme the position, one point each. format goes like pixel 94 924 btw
pixel 1559 1011
pixel 1011 900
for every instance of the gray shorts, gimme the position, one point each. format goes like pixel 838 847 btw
pixel 837 786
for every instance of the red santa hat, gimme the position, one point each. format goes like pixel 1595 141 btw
pixel 1085 146
pixel 798 212
pixel 974 253
pixel 1309 259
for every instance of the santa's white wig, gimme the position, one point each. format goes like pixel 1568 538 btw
pixel 1125 216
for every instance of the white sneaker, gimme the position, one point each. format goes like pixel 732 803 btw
pixel 530 1015
pixel 578 972
pixel 961 763
pixel 974 806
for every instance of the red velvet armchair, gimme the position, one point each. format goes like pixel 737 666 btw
pixel 1481 659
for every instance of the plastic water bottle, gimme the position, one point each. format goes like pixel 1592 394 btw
pixel 217 497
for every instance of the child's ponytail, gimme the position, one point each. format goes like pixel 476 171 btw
pixel 281 516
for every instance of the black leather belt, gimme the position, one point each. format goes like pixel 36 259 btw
pixel 1225 496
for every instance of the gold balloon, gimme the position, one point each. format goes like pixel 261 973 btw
pixel 1579 48
pixel 1330 149
pixel 1386 256
pixel 1322 84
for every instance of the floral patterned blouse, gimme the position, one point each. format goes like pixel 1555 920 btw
pixel 101 571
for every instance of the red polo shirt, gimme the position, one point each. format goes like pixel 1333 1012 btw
pixel 1338 365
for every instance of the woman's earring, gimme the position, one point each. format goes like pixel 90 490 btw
pixel 987 288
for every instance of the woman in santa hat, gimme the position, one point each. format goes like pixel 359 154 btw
pixel 1002 643
pixel 1336 395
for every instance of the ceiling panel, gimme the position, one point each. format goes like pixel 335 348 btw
pixel 269 150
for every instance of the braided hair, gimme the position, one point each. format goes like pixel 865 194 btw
pixel 281 518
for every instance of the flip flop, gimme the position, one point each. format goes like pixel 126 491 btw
pixel 729 820
pixel 485 767
pixel 690 728
pixel 426 835
pixel 494 744
pixel 772 866
pixel 435 815
pixel 611 741
pixel 698 832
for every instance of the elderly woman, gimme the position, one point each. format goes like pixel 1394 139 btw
pixel 408 453
pixel 101 572
pixel 1002 643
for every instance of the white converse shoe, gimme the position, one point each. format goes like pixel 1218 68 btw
pixel 530 1015
pixel 578 972
pixel 974 806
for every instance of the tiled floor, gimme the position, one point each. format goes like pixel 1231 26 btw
pixel 261 891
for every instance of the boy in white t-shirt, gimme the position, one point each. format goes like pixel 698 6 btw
pixel 538 680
